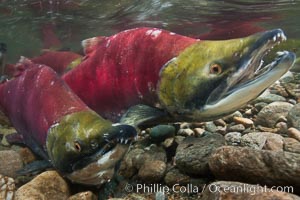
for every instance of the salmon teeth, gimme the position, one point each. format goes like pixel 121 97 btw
pixel 280 53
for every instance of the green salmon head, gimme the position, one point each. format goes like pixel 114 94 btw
pixel 86 147
pixel 211 79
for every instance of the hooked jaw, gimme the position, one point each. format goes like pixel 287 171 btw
pixel 251 78
pixel 242 94
pixel 100 167
pixel 211 79
pixel 101 170
pixel 252 61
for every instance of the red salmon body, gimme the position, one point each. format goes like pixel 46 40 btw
pixel 29 102
pixel 123 69
pixel 58 60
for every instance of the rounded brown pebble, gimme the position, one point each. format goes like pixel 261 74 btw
pixel 294 133
pixel 48 185
pixel 220 122
pixel 272 113
pixel 10 163
pixel 199 131
pixel 245 121
pixel 152 171
pixel 26 155
pixel 273 168
pixel 291 145
pixel 186 132
pixel 192 154
pixel 174 176
pixel 236 128
pixel 281 127
pixel 88 195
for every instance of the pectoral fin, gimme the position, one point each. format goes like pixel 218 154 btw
pixel 141 114
pixel 15 138
pixel 35 167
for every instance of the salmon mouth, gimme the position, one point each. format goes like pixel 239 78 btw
pixel 99 167
pixel 253 64
pixel 252 76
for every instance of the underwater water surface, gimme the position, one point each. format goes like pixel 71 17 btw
pixel 29 26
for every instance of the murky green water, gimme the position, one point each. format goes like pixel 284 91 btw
pixel 27 26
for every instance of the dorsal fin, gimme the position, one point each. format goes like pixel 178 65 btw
pixel 90 44
pixel 24 60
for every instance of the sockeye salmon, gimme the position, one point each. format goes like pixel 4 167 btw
pixel 149 75
pixel 58 126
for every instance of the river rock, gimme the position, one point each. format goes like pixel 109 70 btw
pixel 168 142
pixel 220 122
pixel 294 133
pixel 26 155
pixel 48 185
pixel 260 105
pixel 233 138
pixel 174 176
pixel 273 112
pixel 160 132
pixel 293 117
pixel 186 132
pixel 236 128
pixel 6 131
pixel 291 145
pixel 221 130
pixel 4 119
pixel 281 127
pixel 88 195
pixel 10 163
pixel 199 132
pixel 244 121
pixel 193 153
pixel 152 171
pixel 266 129
pixel 273 168
pixel 255 140
pixel 7 188
pixel 269 98
pixel 292 101
pixel 132 161
pixel 136 158
pixel 274 143
pixel 229 118
pixel 227 190
pixel 263 140
pixel 136 196
pixel 210 127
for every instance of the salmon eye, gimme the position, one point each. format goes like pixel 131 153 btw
pixel 215 69
pixel 77 146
